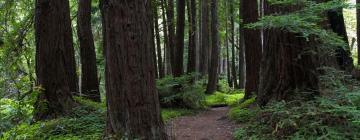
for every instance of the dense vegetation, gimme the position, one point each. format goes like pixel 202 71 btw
pixel 106 69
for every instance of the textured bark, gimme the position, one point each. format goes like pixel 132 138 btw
pixel 171 34
pixel 213 70
pixel 286 71
pixel 204 56
pixel 132 100
pixel 158 43
pixel 178 68
pixel 192 36
pixel 232 40
pixel 54 59
pixel 89 75
pixel 253 51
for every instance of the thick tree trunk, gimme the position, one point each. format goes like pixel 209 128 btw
pixel 158 43
pixel 132 100
pixel 178 69
pixel 171 35
pixel 89 75
pixel 204 56
pixel 253 52
pixel 213 70
pixel 232 40
pixel 284 75
pixel 192 36
pixel 54 59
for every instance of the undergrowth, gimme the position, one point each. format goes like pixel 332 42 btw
pixel 333 115
pixel 86 122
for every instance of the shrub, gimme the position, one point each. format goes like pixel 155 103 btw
pixel 181 92
pixel 328 117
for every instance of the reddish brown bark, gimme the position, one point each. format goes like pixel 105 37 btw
pixel 192 36
pixel 213 70
pixel 204 37
pixel 132 100
pixel 253 51
pixel 89 77
pixel 180 31
pixel 55 63
pixel 286 71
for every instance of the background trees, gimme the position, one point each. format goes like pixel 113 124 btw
pixel 278 50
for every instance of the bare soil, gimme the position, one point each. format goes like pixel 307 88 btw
pixel 212 124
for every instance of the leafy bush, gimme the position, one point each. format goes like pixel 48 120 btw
pixel 181 92
pixel 12 113
pixel 327 117
pixel 85 122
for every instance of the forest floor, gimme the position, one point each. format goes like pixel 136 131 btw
pixel 212 124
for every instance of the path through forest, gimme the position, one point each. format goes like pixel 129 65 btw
pixel 209 125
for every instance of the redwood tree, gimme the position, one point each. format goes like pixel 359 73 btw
pixel 179 50
pixel 204 37
pixel 286 71
pixel 192 36
pixel 232 40
pixel 213 70
pixel 89 77
pixel 158 42
pixel 55 63
pixel 132 100
pixel 171 32
pixel 253 51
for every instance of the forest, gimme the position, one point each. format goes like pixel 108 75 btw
pixel 179 70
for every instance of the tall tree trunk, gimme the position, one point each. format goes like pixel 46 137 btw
pixel 232 40
pixel 153 46
pixel 166 39
pixel 171 35
pixel 285 75
pixel 229 79
pixel 54 59
pixel 253 52
pixel 241 58
pixel 178 69
pixel 130 71
pixel 337 24
pixel 192 36
pixel 358 30
pixel 158 43
pixel 213 70
pixel 89 75
pixel 204 37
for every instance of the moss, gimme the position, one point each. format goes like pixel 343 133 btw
pixel 219 98
pixel 170 113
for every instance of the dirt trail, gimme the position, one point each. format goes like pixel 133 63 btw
pixel 209 125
